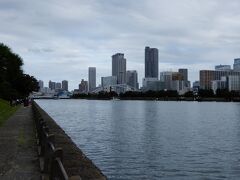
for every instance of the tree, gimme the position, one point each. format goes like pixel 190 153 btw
pixel 189 94
pixel 224 93
pixel 13 82
pixel 235 94
pixel 205 93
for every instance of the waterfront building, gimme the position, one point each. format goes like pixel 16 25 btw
pixel 179 86
pixel 146 81
pixel 180 81
pixel 40 84
pixel 52 85
pixel 83 86
pixel 219 84
pixel 207 76
pixel 108 81
pixel 233 83
pixel 196 84
pixel 175 81
pixel 176 76
pixel 76 91
pixel 152 84
pixel 195 87
pixel 58 86
pixel 236 65
pixel 91 78
pixel 223 67
pixel 151 62
pixel 166 77
pixel 65 85
pixel 47 91
pixel 184 73
pixel 119 68
pixel 132 79
pixel 156 85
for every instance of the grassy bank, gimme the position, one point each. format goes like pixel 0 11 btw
pixel 5 111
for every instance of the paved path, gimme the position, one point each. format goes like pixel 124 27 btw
pixel 18 150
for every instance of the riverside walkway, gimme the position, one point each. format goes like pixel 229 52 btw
pixel 18 149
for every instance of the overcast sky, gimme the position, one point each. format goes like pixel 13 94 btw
pixel 60 39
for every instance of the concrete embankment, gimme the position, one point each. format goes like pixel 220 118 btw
pixel 74 161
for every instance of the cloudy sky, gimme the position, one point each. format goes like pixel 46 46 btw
pixel 60 39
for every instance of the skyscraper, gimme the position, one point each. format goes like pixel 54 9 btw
pixel 151 62
pixel 65 85
pixel 132 79
pixel 91 78
pixel 184 73
pixel 40 84
pixel 52 85
pixel 119 68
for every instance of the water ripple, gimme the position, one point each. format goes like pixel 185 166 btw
pixel 154 140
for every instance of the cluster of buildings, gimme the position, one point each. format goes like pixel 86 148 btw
pixel 223 77
pixel 122 80
pixel 54 89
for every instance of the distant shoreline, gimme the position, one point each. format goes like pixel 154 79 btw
pixel 158 99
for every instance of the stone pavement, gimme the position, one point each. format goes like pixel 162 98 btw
pixel 18 149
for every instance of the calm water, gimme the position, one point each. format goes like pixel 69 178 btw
pixel 154 140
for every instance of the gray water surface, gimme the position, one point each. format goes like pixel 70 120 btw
pixel 154 139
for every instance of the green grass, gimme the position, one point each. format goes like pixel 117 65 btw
pixel 5 111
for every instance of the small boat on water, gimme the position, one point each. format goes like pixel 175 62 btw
pixel 115 99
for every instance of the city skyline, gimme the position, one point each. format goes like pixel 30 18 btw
pixel 59 39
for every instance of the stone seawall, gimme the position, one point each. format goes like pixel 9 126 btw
pixel 74 161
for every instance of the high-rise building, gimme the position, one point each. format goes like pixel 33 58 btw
pixel 151 62
pixel 223 67
pixel 166 77
pixel 196 86
pixel 132 79
pixel 236 65
pixel 152 84
pixel 91 78
pixel 65 85
pixel 175 81
pixel 108 81
pixel 83 86
pixel 219 84
pixel 177 76
pixel 40 84
pixel 233 82
pixel 52 85
pixel 58 85
pixel 184 73
pixel 119 68
pixel 207 76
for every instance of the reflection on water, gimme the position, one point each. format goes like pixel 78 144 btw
pixel 151 139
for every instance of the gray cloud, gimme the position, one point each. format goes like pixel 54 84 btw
pixel 59 39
